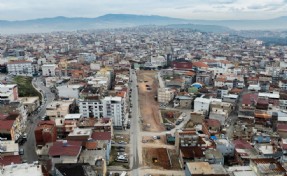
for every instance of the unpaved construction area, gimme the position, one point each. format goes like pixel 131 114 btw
pixel 161 158
pixel 149 107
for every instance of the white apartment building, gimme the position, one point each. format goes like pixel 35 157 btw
pixel 202 104
pixel 49 69
pixel 165 95
pixel 20 67
pixel 87 57
pixel 111 107
pixel 8 93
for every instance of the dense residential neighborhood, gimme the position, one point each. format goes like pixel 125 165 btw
pixel 142 101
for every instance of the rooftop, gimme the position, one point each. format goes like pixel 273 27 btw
pixel 66 148
pixel 101 135
pixel 81 132
pixel 23 170
pixel 72 116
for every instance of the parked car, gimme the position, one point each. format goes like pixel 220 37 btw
pixel 177 122
pixel 21 151
pixel 122 142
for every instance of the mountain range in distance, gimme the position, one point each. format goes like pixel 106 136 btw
pixel 128 20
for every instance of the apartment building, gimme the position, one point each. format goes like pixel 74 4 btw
pixel 98 107
pixel 165 95
pixel 20 67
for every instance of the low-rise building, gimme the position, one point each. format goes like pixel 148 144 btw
pixel 65 152
pixel 225 146
pixel 49 69
pixel 60 108
pixel 267 166
pixel 30 103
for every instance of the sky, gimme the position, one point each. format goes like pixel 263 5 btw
pixel 187 9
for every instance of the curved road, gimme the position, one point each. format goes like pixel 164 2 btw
pixel 29 147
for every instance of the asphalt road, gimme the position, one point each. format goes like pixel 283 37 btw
pixel 29 147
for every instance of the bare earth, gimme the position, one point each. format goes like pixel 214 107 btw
pixel 149 108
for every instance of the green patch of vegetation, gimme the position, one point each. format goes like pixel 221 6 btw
pixel 25 87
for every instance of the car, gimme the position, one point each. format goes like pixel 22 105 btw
pixel 21 151
pixel 156 137
pixel 121 150
pixel 183 114
pixel 122 142
pixel 177 122
pixel 128 126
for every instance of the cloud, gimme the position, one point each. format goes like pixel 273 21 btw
pixel 199 9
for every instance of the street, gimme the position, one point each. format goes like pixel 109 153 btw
pixel 29 147
pixel 135 153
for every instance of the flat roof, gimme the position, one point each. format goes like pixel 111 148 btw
pixel 113 98
pixel 70 86
pixel 81 132
pixel 269 95
pixel 244 173
pixel 72 116
pixel 200 168
pixel 266 149
pixel 9 146
pixel 24 169
pixel 231 96
pixel 203 100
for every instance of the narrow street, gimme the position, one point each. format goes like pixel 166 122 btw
pixel 29 147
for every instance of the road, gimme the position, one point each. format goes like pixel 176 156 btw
pixel 135 149
pixel 136 133
pixel 29 147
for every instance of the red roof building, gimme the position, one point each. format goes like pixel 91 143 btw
pixel 65 148
pixel 102 135
pixel 6 125
pixel 7 160
pixel 199 64
pixel 181 65
pixel 45 132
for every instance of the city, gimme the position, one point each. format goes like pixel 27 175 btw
pixel 143 96
pixel 146 101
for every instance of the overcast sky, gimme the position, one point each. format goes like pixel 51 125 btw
pixel 189 9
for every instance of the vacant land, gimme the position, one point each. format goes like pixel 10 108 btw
pixel 156 158
pixel 25 88
pixel 170 116
pixel 149 108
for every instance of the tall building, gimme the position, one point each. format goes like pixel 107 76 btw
pixel 110 107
